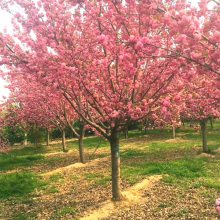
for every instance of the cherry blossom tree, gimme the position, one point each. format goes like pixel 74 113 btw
pixel 46 107
pixel 202 102
pixel 12 118
pixel 111 60
pixel 194 32
pixel 171 104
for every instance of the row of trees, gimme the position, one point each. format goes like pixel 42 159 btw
pixel 106 63
pixel 35 135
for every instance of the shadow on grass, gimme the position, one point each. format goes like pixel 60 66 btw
pixel 18 184
pixel 9 162
pixel 29 150
pixel 150 135
pixel 90 142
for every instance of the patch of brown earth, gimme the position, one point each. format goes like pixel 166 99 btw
pixel 73 166
pixel 165 202
pixel 130 197
pixel 205 155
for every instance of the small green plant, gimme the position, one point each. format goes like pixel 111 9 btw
pixel 164 205
pixel 68 210
pixel 24 216
pixel 212 183
pixel 92 176
pixel 52 189
pixel 103 181
pixel 98 179
pixel 56 177
pixel 132 153
pixel 20 216
pixel 183 212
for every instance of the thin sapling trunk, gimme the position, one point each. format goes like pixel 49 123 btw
pixel 81 146
pixel 48 137
pixel 203 125
pixel 211 122
pixel 64 141
pixel 25 139
pixel 174 131
pixel 115 159
pixel 126 132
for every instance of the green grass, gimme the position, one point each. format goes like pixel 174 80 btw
pixel 22 216
pixel 89 143
pixel 9 162
pixel 185 168
pixel 52 189
pixel 175 160
pixel 27 162
pixel 94 142
pixel 148 154
pixel 132 153
pixel 19 184
pixel 29 150
pixel 98 179
pixel 65 211
pixel 56 177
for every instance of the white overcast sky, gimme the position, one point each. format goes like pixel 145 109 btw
pixel 5 23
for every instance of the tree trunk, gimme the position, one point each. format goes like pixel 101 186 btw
pixel 174 131
pixel 203 125
pixel 25 139
pixel 140 128
pixel 211 122
pixel 35 141
pixel 48 137
pixel 64 141
pixel 126 132
pixel 115 159
pixel 81 147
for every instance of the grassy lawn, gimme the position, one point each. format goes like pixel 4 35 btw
pixel 25 194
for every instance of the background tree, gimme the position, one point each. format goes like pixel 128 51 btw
pixel 202 103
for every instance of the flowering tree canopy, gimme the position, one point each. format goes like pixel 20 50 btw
pixel 113 61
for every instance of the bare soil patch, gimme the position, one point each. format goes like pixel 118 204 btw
pixel 70 167
pixel 205 155
pixel 132 195
pixel 168 202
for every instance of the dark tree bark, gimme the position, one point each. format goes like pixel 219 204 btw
pixel 126 132
pixel 25 139
pixel 174 131
pixel 48 137
pixel 203 125
pixel 81 146
pixel 211 122
pixel 35 141
pixel 36 136
pixel 115 159
pixel 183 123
pixel 145 129
pixel 64 141
pixel 79 135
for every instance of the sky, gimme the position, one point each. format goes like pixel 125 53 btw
pixel 4 22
